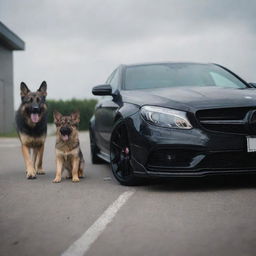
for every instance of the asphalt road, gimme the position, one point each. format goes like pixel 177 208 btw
pixel 214 216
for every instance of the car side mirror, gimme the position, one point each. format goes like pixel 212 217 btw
pixel 101 90
pixel 253 85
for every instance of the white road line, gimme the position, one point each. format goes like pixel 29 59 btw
pixel 83 244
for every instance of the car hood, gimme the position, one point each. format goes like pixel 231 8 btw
pixel 192 98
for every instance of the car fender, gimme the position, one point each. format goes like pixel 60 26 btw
pixel 92 123
pixel 126 111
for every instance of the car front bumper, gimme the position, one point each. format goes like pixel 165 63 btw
pixel 165 152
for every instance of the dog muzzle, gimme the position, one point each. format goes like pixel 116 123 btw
pixel 65 133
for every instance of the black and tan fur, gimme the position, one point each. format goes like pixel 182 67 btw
pixel 68 153
pixel 31 123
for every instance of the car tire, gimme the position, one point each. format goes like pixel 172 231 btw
pixel 94 150
pixel 120 156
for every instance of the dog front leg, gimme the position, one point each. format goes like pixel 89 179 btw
pixel 59 168
pixel 81 169
pixel 75 166
pixel 31 174
pixel 34 157
pixel 39 161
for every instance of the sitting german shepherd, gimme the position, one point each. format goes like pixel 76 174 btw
pixel 31 123
pixel 68 152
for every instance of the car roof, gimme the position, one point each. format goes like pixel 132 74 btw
pixel 164 62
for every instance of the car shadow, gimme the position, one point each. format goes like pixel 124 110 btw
pixel 202 184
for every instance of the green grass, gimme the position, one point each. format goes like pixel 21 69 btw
pixel 12 134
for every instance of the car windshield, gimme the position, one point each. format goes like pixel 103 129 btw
pixel 150 76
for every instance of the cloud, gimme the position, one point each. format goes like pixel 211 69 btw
pixel 76 44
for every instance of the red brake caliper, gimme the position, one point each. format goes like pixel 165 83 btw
pixel 126 151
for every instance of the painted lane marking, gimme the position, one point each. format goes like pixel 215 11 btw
pixel 83 244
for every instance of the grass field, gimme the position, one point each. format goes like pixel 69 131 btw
pixel 12 134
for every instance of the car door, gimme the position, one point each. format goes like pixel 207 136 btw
pixel 105 114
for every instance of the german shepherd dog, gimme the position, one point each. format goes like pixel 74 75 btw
pixel 68 152
pixel 31 124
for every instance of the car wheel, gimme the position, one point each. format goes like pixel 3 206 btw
pixel 120 156
pixel 94 150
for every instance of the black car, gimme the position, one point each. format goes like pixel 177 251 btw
pixel 174 119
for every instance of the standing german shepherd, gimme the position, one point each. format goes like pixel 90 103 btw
pixel 68 152
pixel 31 122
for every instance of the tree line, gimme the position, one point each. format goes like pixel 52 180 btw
pixel 66 107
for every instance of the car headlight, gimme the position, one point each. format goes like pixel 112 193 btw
pixel 166 117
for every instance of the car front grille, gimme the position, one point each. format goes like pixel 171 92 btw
pixel 229 120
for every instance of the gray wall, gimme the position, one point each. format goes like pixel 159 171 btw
pixel 6 90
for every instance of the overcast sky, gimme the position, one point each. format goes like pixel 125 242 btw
pixel 75 44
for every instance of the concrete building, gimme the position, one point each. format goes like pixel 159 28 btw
pixel 9 42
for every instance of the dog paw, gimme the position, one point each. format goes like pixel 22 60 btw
pixel 57 180
pixel 31 173
pixel 75 179
pixel 31 176
pixel 40 172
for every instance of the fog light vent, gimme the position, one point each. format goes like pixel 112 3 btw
pixel 170 157
pixel 165 158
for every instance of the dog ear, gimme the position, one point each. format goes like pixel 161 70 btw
pixel 75 117
pixel 43 88
pixel 23 89
pixel 57 116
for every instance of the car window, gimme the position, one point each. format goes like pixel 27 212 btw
pixel 114 80
pixel 221 80
pixel 110 78
pixel 179 74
